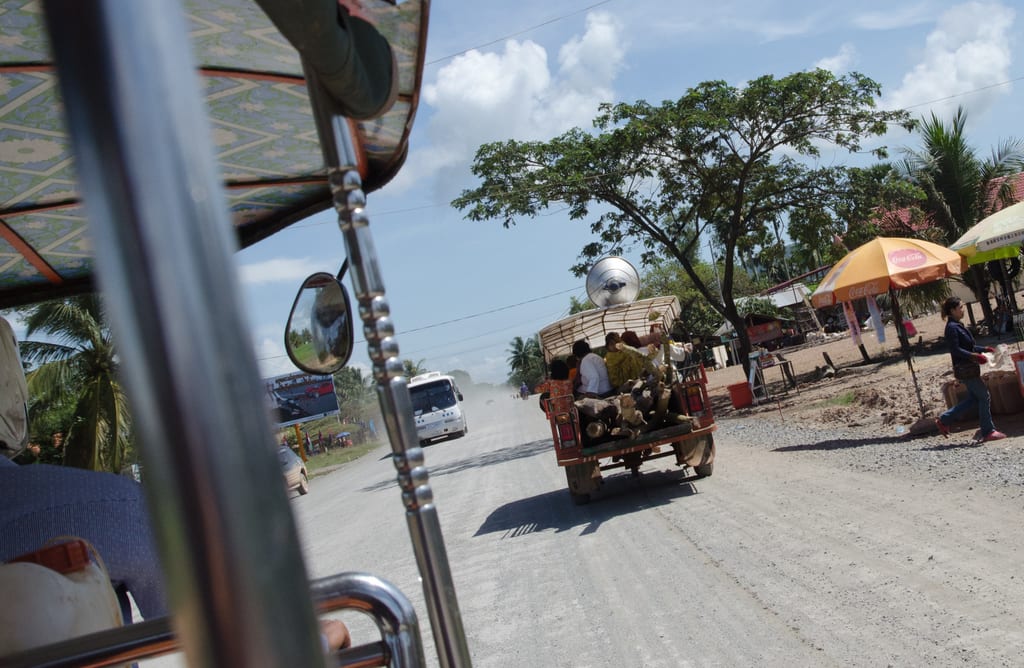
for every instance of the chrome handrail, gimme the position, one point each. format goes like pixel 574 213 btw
pixel 399 646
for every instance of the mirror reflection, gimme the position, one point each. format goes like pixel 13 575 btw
pixel 318 337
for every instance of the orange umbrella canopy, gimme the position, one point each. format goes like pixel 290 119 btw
pixel 883 263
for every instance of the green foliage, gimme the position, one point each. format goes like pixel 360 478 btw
pixel 525 361
pixel 721 162
pixel 697 317
pixel 356 396
pixel 339 456
pixel 843 399
pixel 411 368
pixel 823 235
pixel 924 298
pixel 758 306
pixel 73 383
pixel 578 306
pixel 960 188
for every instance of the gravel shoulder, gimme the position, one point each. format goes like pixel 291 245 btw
pixel 867 417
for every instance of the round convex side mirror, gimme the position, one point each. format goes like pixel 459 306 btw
pixel 318 337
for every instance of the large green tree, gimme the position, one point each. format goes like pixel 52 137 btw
pixel 960 187
pixel 723 162
pixel 872 204
pixel 697 317
pixel 75 369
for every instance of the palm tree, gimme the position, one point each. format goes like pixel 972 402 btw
pixel 960 188
pixel 76 369
pixel 411 369
pixel 525 361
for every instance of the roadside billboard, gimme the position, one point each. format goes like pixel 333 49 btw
pixel 300 397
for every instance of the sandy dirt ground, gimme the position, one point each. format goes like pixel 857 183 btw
pixel 880 393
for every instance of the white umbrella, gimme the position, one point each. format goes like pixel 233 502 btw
pixel 994 237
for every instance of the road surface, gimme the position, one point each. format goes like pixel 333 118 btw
pixel 778 559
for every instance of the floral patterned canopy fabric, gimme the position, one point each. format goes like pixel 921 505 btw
pixel 263 134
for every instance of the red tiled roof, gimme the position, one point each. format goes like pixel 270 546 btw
pixel 899 222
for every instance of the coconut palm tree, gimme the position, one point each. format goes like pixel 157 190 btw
pixel 76 368
pixel 525 361
pixel 961 188
pixel 411 369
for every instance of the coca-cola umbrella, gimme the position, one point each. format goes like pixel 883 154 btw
pixel 884 265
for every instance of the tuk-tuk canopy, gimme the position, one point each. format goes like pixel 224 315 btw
pixel 557 338
pixel 263 131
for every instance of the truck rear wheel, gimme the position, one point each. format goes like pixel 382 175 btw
pixel 704 470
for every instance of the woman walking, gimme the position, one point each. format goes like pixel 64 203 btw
pixel 967 361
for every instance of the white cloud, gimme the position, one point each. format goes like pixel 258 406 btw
pixel 968 50
pixel 841 62
pixel 895 16
pixel 273 360
pixel 514 94
pixel 769 30
pixel 275 270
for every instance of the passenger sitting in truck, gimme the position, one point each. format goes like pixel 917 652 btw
pixel 558 386
pixel 681 354
pixel 625 363
pixel 592 377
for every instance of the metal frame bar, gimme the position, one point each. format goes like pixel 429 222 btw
pixel 230 551
pixel 229 546
pixel 392 612
pixel 342 158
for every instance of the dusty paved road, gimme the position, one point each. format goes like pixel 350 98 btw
pixel 778 559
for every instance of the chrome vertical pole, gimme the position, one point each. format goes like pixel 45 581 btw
pixel 163 252
pixel 413 478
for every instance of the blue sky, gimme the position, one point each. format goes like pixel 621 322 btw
pixel 461 291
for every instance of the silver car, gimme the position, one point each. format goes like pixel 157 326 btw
pixel 294 470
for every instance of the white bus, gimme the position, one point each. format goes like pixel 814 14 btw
pixel 435 405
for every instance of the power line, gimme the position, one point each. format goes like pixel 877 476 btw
pixel 965 93
pixel 516 34
pixel 461 319
pixel 543 319
pixel 477 315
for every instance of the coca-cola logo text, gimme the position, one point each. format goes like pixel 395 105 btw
pixel 907 258
pixel 864 290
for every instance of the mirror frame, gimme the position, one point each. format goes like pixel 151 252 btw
pixel 312 281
